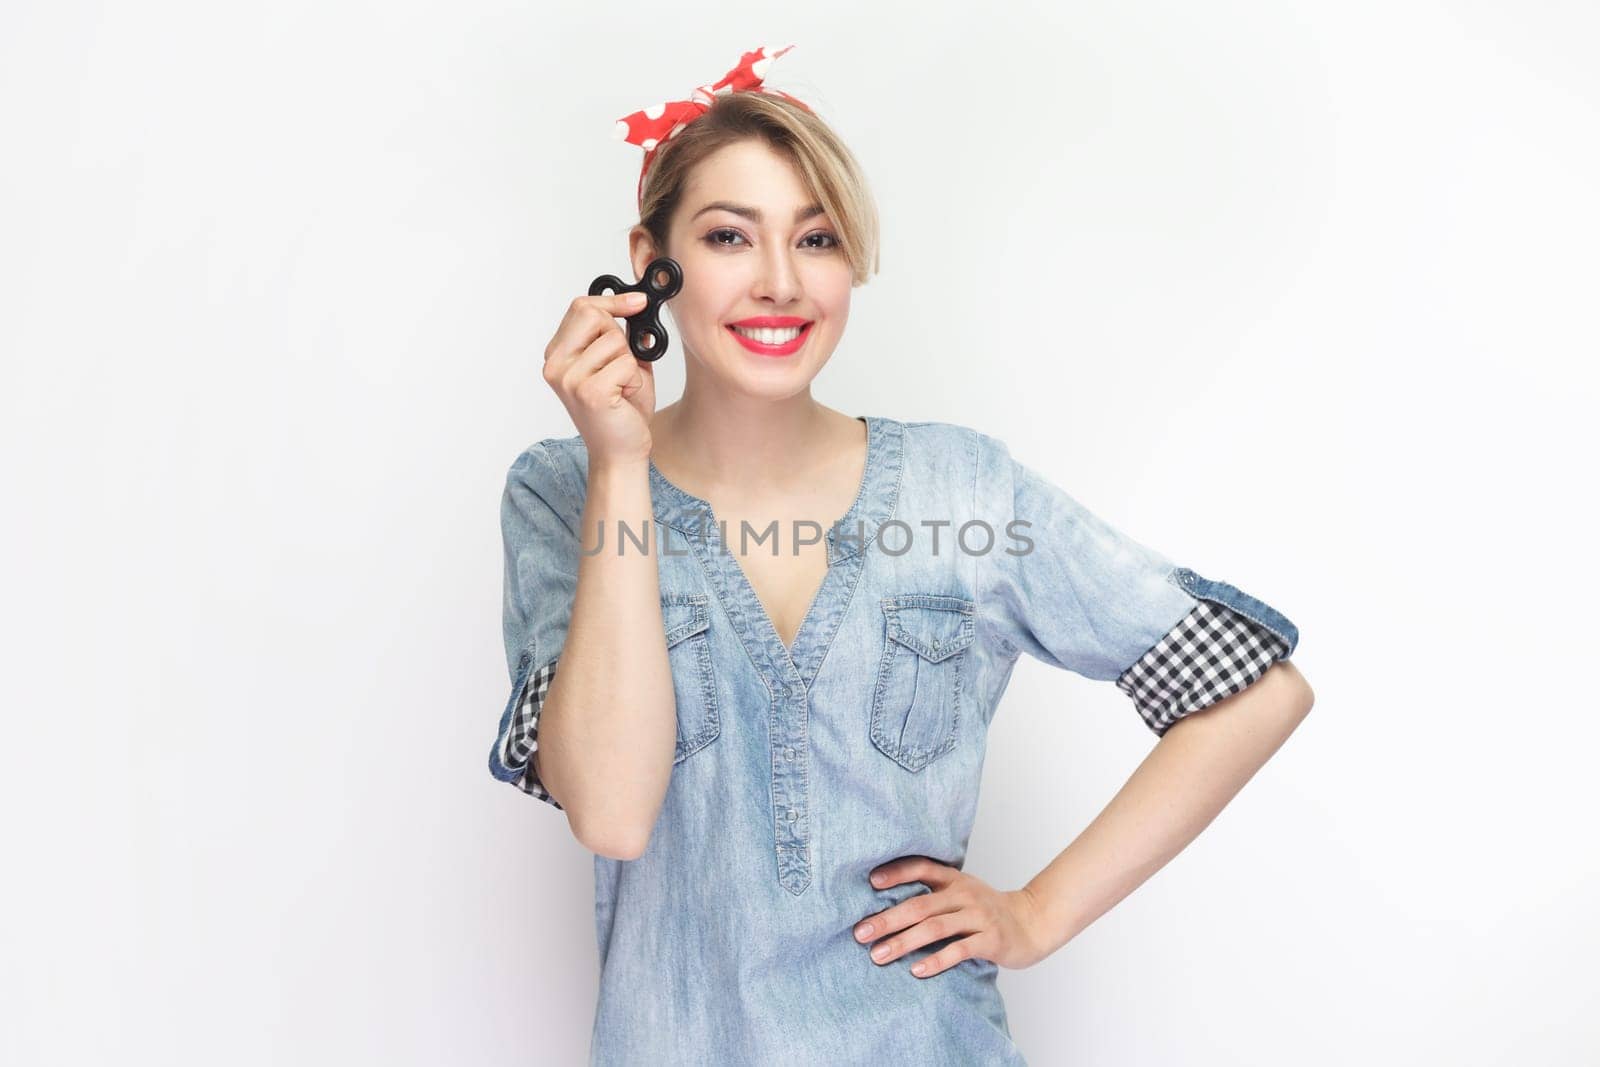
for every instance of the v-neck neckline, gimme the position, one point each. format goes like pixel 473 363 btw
pixel 846 539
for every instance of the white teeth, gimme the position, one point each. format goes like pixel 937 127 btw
pixel 768 336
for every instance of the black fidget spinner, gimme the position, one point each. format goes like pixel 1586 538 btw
pixel 662 280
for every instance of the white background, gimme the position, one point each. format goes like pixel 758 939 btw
pixel 1300 294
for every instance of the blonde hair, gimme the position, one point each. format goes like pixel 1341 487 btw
pixel 826 166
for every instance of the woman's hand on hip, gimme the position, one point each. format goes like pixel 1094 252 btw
pixel 1002 926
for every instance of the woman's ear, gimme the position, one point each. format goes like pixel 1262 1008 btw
pixel 641 251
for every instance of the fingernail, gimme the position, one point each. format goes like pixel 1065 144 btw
pixel 864 931
pixel 635 298
pixel 880 952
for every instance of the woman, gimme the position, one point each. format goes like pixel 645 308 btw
pixel 782 633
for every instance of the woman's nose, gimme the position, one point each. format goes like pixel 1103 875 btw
pixel 777 279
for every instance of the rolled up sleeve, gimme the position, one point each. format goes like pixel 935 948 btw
pixel 540 583
pixel 1070 589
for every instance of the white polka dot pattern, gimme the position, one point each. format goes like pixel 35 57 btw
pixel 650 126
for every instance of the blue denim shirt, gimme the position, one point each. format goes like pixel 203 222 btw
pixel 799 770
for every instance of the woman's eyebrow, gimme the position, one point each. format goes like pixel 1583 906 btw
pixel 754 214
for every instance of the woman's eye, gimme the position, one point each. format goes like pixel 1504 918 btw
pixel 716 239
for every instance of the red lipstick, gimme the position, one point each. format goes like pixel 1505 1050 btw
pixel 775 322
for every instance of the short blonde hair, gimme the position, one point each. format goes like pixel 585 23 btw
pixel 825 165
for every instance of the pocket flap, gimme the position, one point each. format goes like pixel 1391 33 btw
pixel 933 626
pixel 684 615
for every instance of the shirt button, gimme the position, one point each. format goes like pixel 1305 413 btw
pixel 793 815
pixel 788 753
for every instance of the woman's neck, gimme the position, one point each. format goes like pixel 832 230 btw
pixel 743 449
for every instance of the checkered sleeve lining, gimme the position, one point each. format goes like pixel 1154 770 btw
pixel 1212 653
pixel 521 739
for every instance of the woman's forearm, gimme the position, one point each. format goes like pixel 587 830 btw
pixel 609 722
pixel 1197 767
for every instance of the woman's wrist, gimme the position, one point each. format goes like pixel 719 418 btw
pixel 618 471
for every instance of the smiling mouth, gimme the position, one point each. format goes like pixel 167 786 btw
pixel 770 335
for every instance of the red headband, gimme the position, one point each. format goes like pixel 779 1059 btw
pixel 654 125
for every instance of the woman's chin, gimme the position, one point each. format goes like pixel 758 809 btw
pixel 755 374
pixel 767 382
pixel 735 360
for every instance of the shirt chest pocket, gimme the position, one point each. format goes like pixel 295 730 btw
pixel 687 618
pixel 918 700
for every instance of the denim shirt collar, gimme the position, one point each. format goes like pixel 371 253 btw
pixel 874 503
